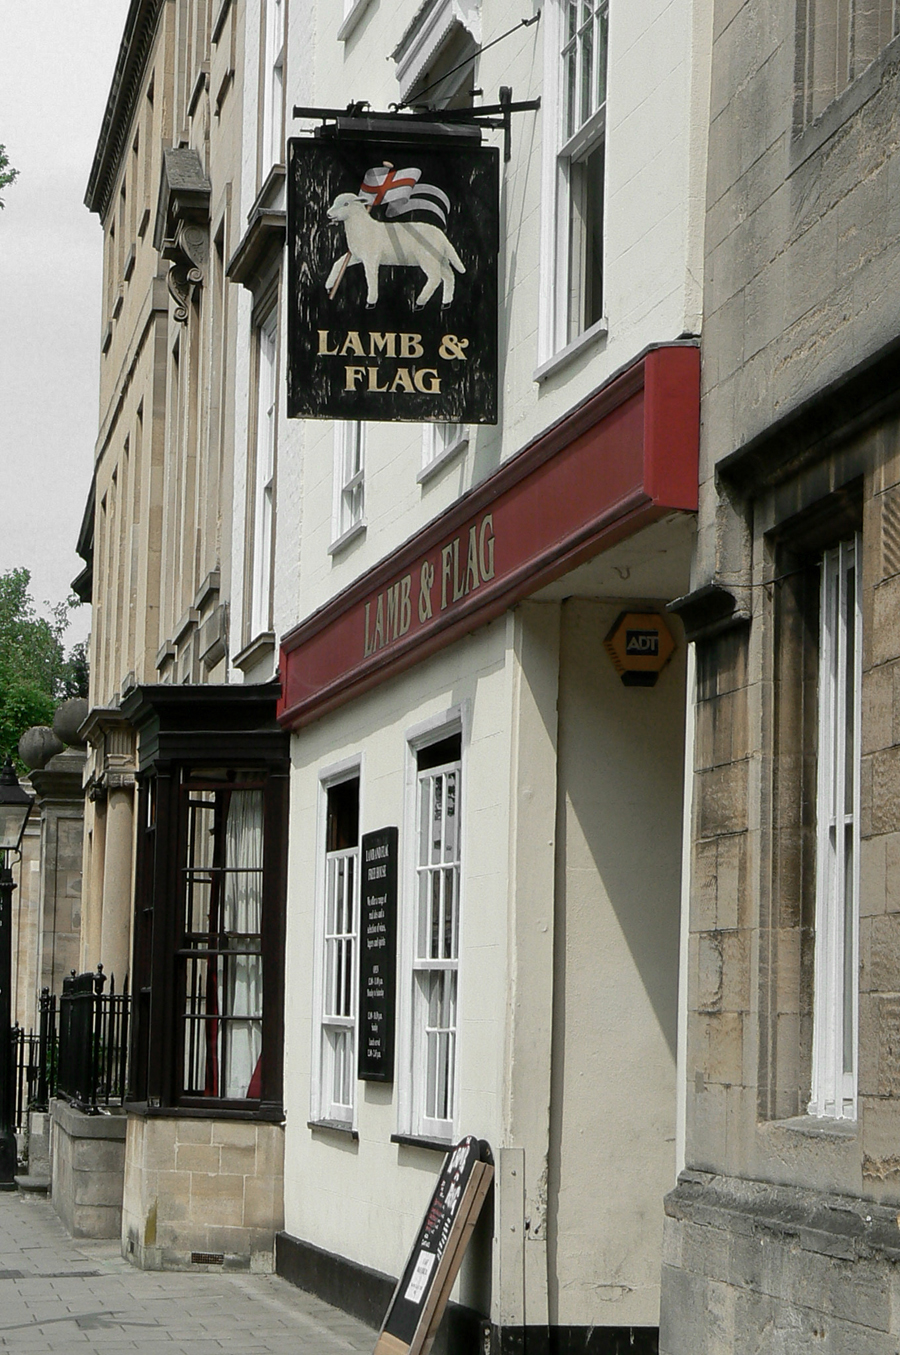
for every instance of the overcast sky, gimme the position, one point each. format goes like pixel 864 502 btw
pixel 57 64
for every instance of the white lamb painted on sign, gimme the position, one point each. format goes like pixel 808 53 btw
pixel 375 243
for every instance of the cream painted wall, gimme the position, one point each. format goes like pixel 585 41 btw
pixel 657 116
pixel 365 1199
pixel 612 1136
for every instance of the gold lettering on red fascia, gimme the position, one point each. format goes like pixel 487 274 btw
pixel 465 564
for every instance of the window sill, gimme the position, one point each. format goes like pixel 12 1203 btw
pixel 260 647
pixel 334 1127
pixel 352 19
pixel 219 21
pixel 571 351
pixel 416 1141
pixel 814 1127
pixel 437 464
pixel 210 1111
pixel 340 542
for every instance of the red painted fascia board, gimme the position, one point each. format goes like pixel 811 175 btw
pixel 392 662
pixel 667 379
pixel 672 425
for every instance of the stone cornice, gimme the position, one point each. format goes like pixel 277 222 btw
pixel 131 63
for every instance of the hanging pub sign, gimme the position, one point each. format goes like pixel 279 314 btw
pixel 377 956
pixel 393 243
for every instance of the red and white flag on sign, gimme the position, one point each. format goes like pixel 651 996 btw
pixel 401 191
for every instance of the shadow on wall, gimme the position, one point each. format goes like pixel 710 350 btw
pixel 621 764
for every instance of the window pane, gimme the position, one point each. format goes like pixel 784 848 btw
pixel 837 903
pixel 223 987
pixel 440 1035
pixel 587 74
pixel 569 96
pixel 586 242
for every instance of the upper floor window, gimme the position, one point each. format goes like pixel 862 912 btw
pixel 440 441
pixel 264 477
pixel 273 86
pixel 349 478
pixel 838 40
pixel 436 68
pixel 575 169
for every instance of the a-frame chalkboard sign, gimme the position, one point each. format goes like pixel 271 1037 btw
pixel 421 1295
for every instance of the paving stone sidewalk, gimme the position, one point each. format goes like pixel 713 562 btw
pixel 57 1294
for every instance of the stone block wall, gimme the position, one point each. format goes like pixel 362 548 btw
pixel 87 1164
pixel 755 1268
pixel 198 1188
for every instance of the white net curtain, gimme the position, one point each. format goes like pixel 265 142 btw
pixel 240 968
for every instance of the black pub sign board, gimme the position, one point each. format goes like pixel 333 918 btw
pixel 393 244
pixel 378 956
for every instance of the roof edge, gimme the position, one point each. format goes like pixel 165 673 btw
pixel 131 63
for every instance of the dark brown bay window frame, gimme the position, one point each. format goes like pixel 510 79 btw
pixel 205 743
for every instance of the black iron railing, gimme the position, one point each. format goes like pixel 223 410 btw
pixel 48 1051
pixel 80 1050
pixel 26 1073
pixel 92 1067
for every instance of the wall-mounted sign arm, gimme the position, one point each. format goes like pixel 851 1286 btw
pixel 497 116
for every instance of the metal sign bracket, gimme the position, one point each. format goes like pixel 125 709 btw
pixel 498 116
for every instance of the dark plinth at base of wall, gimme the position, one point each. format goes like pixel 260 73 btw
pixel 366 1293
pixel 575 1341
pixel 358 1290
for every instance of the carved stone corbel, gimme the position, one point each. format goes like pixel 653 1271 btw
pixel 181 234
pixel 189 253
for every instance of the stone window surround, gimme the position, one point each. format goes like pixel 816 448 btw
pixel 793 548
pixel 806 140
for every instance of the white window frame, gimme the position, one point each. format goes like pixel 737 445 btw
pixel 264 474
pixel 327 1026
pixel 353 12
pixel 440 443
pixel 566 151
pixel 412 1111
pixel 836 966
pixel 273 87
pixel 349 509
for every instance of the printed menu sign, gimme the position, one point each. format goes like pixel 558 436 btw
pixel 422 1291
pixel 378 956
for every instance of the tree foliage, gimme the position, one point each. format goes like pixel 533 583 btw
pixel 8 175
pixel 35 672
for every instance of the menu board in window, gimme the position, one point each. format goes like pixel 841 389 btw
pixel 378 956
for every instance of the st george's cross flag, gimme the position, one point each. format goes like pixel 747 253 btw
pixel 400 192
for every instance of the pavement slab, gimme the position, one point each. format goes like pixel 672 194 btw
pixel 63 1294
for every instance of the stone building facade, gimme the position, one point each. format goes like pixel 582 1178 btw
pixel 782 1232
pixel 174 157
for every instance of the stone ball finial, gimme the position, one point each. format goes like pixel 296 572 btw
pixel 38 745
pixel 70 716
